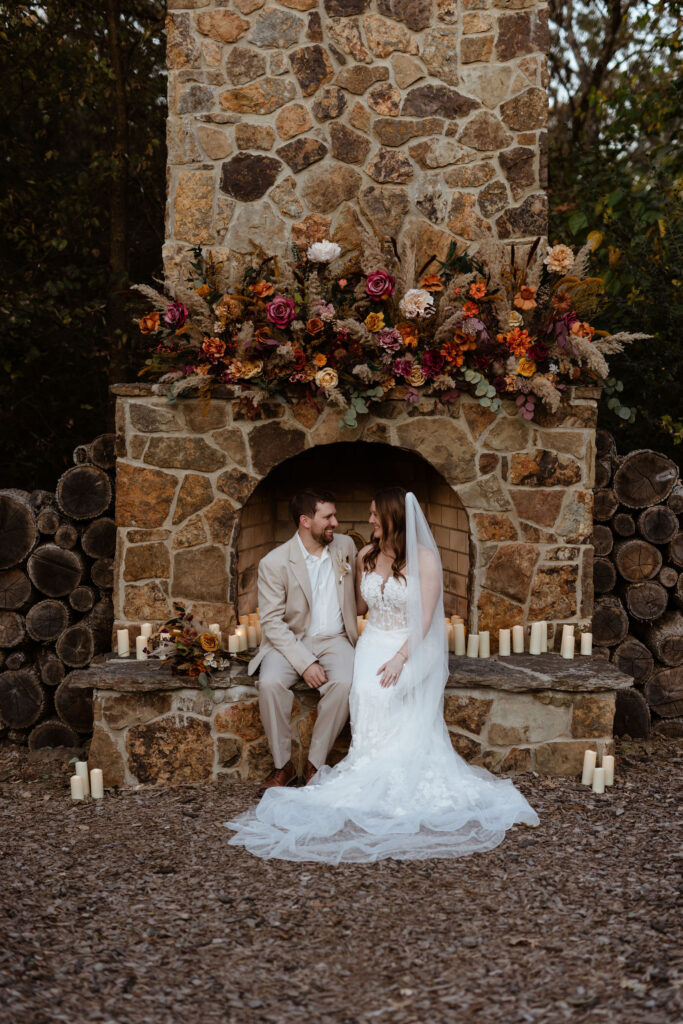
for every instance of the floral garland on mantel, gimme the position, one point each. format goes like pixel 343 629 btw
pixel 505 322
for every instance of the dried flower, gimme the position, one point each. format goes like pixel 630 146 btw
pixel 213 347
pixel 262 289
pixel 517 341
pixel 389 339
pixel 323 252
pixel 525 297
pixel 315 325
pixel 203 369
pixel 432 283
pixel 326 311
pixel 444 382
pixel 252 369
pixel 363 372
pixel 203 291
pixel 562 302
pixel 478 290
pixel 176 315
pixel 559 259
pixel 342 282
pixel 149 324
pixel 416 377
pixel 228 308
pixel 432 363
pixel 526 367
pixel 417 302
pixel 515 319
pixel 327 378
pixel 320 359
pixel 374 322
pixel 402 368
pixel 470 308
pixel 380 284
pixel 582 330
pixel 209 641
pixel 281 311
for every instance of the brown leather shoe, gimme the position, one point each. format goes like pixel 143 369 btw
pixel 284 776
pixel 309 772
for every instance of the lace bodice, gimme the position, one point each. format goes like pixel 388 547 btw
pixel 387 601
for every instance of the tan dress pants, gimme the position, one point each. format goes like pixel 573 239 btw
pixel 276 679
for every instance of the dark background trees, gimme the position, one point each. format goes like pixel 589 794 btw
pixel 82 114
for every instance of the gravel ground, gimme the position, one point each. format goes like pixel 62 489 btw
pixel 136 909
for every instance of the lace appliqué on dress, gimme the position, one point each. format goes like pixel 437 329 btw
pixel 387 601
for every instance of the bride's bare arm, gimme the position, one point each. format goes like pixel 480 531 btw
pixel 430 590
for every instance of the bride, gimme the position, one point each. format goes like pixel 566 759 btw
pixel 401 791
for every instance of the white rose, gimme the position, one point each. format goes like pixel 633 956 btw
pixel 416 302
pixel 323 252
pixel 515 319
pixel 559 259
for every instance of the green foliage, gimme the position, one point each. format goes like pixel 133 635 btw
pixel 57 110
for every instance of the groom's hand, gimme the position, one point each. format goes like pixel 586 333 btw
pixel 315 676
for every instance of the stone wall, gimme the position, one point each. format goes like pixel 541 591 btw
pixel 510 715
pixel 186 471
pixel 303 119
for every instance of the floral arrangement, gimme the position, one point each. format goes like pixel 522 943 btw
pixel 188 650
pixel 507 322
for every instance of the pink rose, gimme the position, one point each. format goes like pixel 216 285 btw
pixel 281 311
pixel 380 285
pixel 176 314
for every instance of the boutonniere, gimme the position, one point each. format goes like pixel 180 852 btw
pixel 343 566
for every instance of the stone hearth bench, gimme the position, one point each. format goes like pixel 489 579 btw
pixel 509 714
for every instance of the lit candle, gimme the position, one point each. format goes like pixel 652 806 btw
pixel 140 644
pixel 484 644
pixel 77 792
pixel 589 760
pixel 567 648
pixel 504 643
pixel 608 765
pixel 233 643
pixel 215 628
pixel 598 780
pixel 587 647
pixel 544 637
pixel 251 636
pixel 122 643
pixel 146 629
pixel 81 768
pixel 473 645
pixel 459 637
pixel 97 783
pixel 518 639
pixel 243 640
pixel 535 638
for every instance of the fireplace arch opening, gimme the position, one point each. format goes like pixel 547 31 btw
pixel 353 472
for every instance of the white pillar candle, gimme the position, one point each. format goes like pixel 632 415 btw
pixel 598 780
pixel 589 760
pixel 608 765
pixel 251 637
pixel 504 643
pixel 81 768
pixel 140 644
pixel 484 644
pixel 146 629
pixel 518 639
pixel 122 643
pixel 77 791
pixel 473 645
pixel 535 638
pixel 97 783
pixel 587 644
pixel 233 643
pixel 567 650
pixel 241 633
pixel 459 637
pixel 243 620
pixel 544 637
pixel 215 628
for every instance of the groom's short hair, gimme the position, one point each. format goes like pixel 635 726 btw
pixel 305 503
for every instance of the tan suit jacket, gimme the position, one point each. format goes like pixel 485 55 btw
pixel 285 599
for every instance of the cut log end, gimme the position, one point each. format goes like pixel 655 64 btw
pixel 632 715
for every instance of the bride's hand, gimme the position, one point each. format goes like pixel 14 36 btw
pixel 390 671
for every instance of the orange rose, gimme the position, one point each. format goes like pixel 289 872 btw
pixel 526 367
pixel 374 322
pixel 209 641
pixel 525 297
pixel 478 290
pixel 315 325
pixel 262 289
pixel 203 370
pixel 431 283
pixel 319 359
pixel 213 347
pixel 149 324
pixel 470 308
pixel 582 330
pixel 203 291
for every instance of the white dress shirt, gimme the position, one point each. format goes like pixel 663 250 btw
pixel 326 616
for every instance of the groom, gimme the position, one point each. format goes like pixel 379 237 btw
pixel 307 604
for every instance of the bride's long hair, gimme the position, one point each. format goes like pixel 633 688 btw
pixel 390 504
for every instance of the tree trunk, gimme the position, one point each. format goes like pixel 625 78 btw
pixel 99 538
pixel 604 575
pixel 18 531
pixel 103 451
pixel 658 524
pixel 100 621
pixel 84 492
pixel 52 733
pixel 665 638
pixel 603 472
pixel 604 504
pixel 51 669
pixel 46 620
pixel 676 550
pixel 66 536
pixel 634 659
pixel 644 478
pixel 675 499
pixel 645 601
pixel 605 445
pixel 48 521
pixel 82 598
pixel 669 727
pixel 74 705
pixel 54 571
pixel 610 621
pixel 678 592
pixel 21 698
pixel 624 524
pixel 664 692
pixel 668 577
pixel 15 589
pixel 17 658
pixel 102 573
pixel 632 715
pixel 637 560
pixel 76 645
pixel 603 540
pixel 81 455
pixel 12 629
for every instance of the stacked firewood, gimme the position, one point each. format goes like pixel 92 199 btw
pixel 638 577
pixel 56 612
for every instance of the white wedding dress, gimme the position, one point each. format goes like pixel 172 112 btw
pixel 402 791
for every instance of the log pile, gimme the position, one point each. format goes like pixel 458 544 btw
pixel 56 612
pixel 638 579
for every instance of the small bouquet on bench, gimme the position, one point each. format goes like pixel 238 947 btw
pixel 187 648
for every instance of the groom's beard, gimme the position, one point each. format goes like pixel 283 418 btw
pixel 323 538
